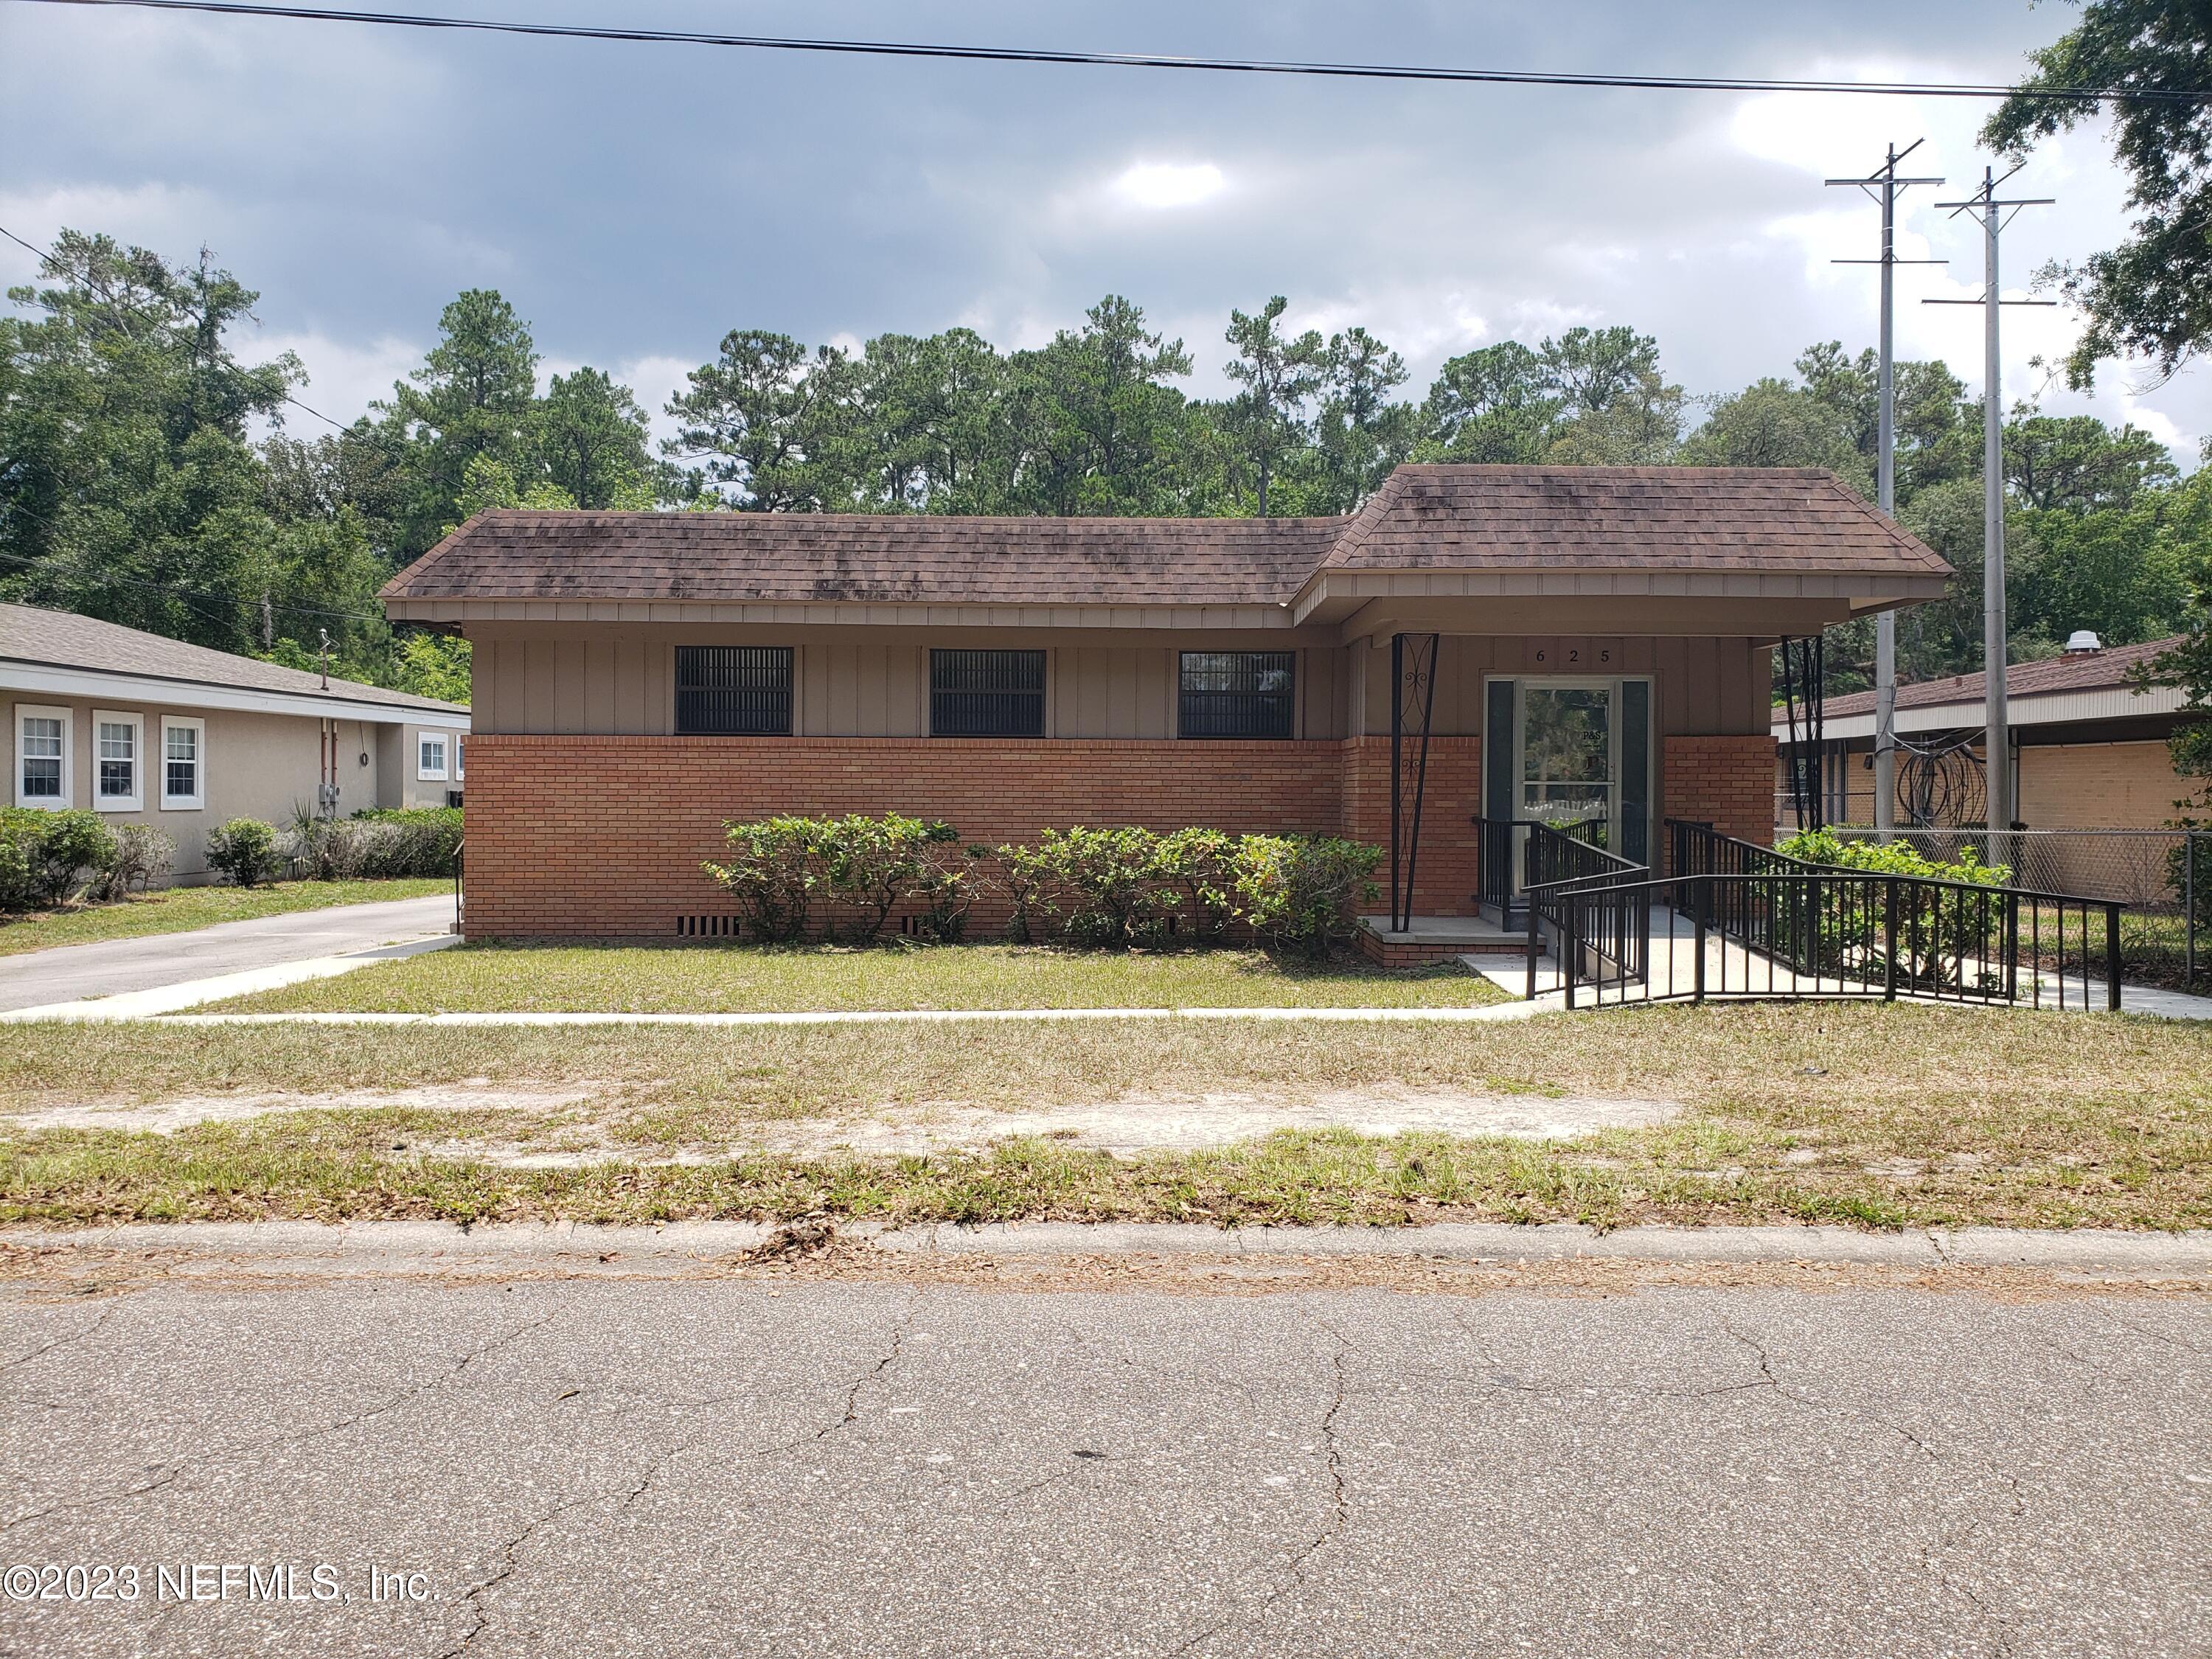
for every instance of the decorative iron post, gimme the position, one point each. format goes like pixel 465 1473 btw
pixel 1412 702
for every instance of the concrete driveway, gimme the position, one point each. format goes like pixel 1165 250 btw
pixel 624 1466
pixel 109 969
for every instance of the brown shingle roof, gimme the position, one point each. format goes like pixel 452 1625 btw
pixel 900 558
pixel 1423 518
pixel 61 639
pixel 2089 671
pixel 1669 517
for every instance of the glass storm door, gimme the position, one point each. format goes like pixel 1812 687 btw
pixel 1573 752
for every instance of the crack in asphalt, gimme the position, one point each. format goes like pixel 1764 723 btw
pixel 73 1338
pixel 1293 1572
pixel 1932 1553
pixel 293 1437
pixel 511 1551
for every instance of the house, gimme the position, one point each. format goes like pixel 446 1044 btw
pixel 148 730
pixel 1511 641
pixel 2088 747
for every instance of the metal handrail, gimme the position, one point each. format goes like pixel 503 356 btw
pixel 1827 931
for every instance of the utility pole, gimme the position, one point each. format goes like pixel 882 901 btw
pixel 325 654
pixel 1883 186
pixel 1994 215
pixel 268 623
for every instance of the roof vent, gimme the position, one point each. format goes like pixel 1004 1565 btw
pixel 2083 643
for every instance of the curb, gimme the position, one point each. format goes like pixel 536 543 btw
pixel 438 1246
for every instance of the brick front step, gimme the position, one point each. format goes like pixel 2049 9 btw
pixel 1434 938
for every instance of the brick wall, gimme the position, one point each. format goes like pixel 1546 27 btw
pixel 1727 782
pixel 594 836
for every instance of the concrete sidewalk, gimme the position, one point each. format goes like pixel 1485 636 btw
pixel 41 980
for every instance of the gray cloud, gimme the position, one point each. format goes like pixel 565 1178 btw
pixel 635 201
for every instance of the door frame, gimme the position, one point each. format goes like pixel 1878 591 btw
pixel 1517 760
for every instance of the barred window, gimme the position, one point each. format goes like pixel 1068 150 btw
pixel 987 694
pixel 1238 694
pixel 733 691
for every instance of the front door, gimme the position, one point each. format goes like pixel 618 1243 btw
pixel 1573 751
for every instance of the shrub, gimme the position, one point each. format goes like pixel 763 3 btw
pixel 140 852
pixel 1298 891
pixel 411 841
pixel 1198 866
pixel 946 887
pixel 246 850
pixel 375 845
pixel 772 873
pixel 1025 875
pixel 871 864
pixel 50 856
pixel 1106 885
pixel 1895 858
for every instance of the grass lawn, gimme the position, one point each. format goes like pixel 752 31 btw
pixel 1879 1116
pixel 179 910
pixel 745 979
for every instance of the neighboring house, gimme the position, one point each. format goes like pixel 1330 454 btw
pixel 2088 749
pixel 144 729
pixel 1599 639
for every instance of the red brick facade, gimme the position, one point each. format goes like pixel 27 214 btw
pixel 1727 782
pixel 603 836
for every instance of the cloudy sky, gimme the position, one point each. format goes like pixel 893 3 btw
pixel 636 202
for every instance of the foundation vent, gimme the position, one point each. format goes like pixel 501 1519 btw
pixel 707 926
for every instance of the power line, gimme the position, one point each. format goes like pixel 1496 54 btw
pixel 1161 61
pixel 47 258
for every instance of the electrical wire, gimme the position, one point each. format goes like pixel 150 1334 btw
pixel 1161 61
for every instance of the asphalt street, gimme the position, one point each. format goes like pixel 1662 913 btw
pixel 115 966
pixel 626 1467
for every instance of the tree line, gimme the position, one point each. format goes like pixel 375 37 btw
pixel 148 476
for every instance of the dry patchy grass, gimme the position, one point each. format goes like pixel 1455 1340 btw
pixel 1879 1116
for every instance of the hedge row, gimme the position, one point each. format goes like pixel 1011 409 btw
pixel 49 858
pixel 1102 888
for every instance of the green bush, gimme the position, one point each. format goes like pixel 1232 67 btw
pixel 1894 858
pixel 1106 888
pixel 871 864
pixel 1024 875
pixel 1199 868
pixel 1822 930
pixel 1298 891
pixel 48 858
pixel 246 850
pixel 771 872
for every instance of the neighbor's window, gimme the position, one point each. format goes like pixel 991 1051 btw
pixel 987 694
pixel 459 743
pixel 1238 694
pixel 115 741
pixel 733 691
pixel 42 745
pixel 430 757
pixel 183 764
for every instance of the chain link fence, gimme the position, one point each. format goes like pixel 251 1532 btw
pixel 2163 876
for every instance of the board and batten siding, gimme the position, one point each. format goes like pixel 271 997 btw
pixel 1705 687
pixel 848 684
pixel 863 684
